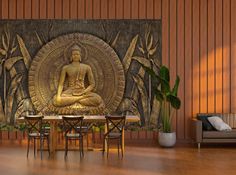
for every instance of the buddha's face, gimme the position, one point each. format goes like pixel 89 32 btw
pixel 76 56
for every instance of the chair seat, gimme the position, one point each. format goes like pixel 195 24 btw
pixel 35 134
pixel 73 135
pixel 114 135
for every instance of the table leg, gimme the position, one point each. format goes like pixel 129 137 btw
pixel 123 141
pixel 53 136
pixel 105 131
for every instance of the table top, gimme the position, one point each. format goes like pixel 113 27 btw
pixel 87 118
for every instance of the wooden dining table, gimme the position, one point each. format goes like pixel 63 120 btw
pixel 54 120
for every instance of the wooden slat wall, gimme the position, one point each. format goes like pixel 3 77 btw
pixel 198 43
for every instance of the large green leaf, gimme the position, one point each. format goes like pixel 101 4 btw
pixel 176 86
pixel 164 73
pixel 165 86
pixel 174 101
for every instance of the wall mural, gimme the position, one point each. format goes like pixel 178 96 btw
pixel 78 67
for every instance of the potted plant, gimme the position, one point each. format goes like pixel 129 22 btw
pixel 168 100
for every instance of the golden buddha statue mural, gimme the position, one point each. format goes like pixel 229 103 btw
pixel 76 93
pixel 76 74
pixel 79 67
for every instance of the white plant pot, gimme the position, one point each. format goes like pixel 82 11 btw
pixel 167 139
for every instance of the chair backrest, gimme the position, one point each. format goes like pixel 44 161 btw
pixel 34 123
pixel 115 123
pixel 71 123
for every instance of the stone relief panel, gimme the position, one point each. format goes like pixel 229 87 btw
pixel 78 67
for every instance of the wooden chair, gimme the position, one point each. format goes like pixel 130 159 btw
pixel 36 131
pixel 72 127
pixel 115 126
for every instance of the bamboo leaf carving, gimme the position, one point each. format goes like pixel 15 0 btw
pixel 13 49
pixel 24 52
pixel 3 52
pixel 4 43
pixel 2 116
pixel 1 69
pixel 152 51
pixel 10 96
pixel 129 53
pixel 7 33
pixel 39 39
pixel 14 84
pixel 150 43
pixel 155 111
pixel 143 94
pixel 141 50
pixel 11 61
pixel 129 105
pixel 142 60
pixel 115 40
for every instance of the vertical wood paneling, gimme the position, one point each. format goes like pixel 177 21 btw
pixel 119 9
pixel 233 55
pixel 173 51
pixel 50 9
pixel 12 9
pixel 73 9
pixel 226 56
pixel 196 56
pixel 0 9
pixel 150 9
pixel 65 9
pixel 203 56
pixel 142 9
pixel 4 9
pixel 157 8
pixel 20 9
pixel 96 9
pixel 112 9
pixel 134 9
pixel 89 9
pixel 211 57
pixel 35 9
pixel 127 9
pixel 219 59
pixel 180 67
pixel 198 43
pixel 165 32
pixel 43 9
pixel 104 9
pixel 81 9
pixel 27 10
pixel 58 9
pixel 188 66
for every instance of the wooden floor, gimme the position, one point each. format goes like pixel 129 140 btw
pixel 138 160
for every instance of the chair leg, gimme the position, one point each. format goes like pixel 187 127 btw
pixel 80 149
pixel 103 149
pixel 28 147
pixel 66 147
pixel 93 137
pixel 121 144
pixel 87 136
pixel 34 147
pixel 48 146
pixel 107 147
pixel 41 147
pixel 118 144
pixel 82 146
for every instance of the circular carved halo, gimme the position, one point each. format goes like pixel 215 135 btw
pixel 106 66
